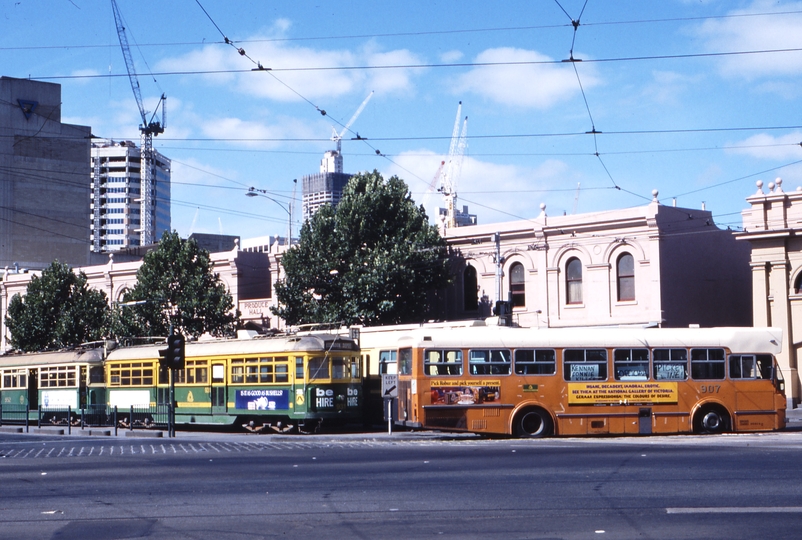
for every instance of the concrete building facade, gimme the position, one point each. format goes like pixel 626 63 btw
pixel 117 202
pixel 772 227
pixel 44 178
pixel 651 265
pixel 248 276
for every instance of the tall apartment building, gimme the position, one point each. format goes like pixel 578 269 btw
pixel 44 178
pixel 117 202
pixel 325 187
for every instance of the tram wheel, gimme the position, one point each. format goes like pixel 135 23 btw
pixel 534 423
pixel 711 420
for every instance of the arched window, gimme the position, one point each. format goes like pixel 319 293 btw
pixel 573 281
pixel 470 289
pixel 518 285
pixel 798 284
pixel 625 276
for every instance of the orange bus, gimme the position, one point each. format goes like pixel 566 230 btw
pixel 587 381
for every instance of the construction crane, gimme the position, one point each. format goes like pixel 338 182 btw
pixel 148 129
pixel 450 173
pixel 337 137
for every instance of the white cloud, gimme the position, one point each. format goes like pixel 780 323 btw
pixel 765 146
pixel 449 57
pixel 492 191
pixel 755 34
pixel 528 83
pixel 314 84
pixel 667 86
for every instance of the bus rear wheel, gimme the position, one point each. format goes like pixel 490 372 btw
pixel 711 420
pixel 534 423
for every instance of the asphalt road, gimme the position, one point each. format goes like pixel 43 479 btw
pixel 214 486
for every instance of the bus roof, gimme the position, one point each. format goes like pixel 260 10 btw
pixel 736 339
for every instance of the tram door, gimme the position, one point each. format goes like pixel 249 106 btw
pixel 219 393
pixel 33 388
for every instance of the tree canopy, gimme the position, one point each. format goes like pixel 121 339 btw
pixel 176 286
pixel 59 310
pixel 372 260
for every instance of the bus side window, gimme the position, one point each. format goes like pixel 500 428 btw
pixel 765 366
pixel 535 362
pixel 489 362
pixel 670 364
pixel 585 364
pixel 707 364
pixel 631 364
pixel 743 366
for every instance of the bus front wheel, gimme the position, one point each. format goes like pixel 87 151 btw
pixel 533 423
pixel 711 420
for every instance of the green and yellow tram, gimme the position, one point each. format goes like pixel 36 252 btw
pixel 280 383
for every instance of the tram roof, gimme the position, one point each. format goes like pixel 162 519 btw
pixel 74 356
pixel 736 339
pixel 229 347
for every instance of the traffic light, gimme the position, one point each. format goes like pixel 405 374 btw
pixel 173 356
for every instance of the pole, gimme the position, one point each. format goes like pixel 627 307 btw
pixel 389 416
pixel 171 427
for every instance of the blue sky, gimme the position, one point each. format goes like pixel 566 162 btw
pixel 682 94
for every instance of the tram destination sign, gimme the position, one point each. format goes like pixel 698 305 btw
pixel 623 392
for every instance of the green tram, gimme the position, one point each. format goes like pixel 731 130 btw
pixel 53 380
pixel 281 383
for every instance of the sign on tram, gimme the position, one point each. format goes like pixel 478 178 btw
pixel 389 386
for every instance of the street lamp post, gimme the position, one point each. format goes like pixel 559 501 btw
pixel 255 192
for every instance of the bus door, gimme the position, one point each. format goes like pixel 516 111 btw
pixel 33 388
pixel 755 391
pixel 219 389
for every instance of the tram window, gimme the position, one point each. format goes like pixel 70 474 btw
pixel 338 368
pixel 282 369
pixel 96 375
pixel 388 362
pixel 670 364
pixel 251 370
pixel 442 362
pixel 707 364
pixel 744 366
pixel 237 371
pixel 299 368
pixel 265 373
pixel 585 364
pixel 631 364
pixel 535 362
pixel 405 361
pixel 218 373
pixel 57 376
pixel 15 378
pixel 489 361
pixel 131 374
pixel 319 368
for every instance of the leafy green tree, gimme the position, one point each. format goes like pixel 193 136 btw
pixel 373 259
pixel 59 310
pixel 176 286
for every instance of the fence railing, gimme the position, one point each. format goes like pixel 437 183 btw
pixel 130 418
pixel 15 415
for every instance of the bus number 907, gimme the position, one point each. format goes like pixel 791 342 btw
pixel 709 388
